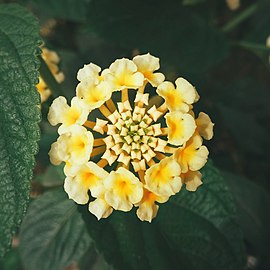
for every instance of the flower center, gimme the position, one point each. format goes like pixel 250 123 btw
pixel 132 136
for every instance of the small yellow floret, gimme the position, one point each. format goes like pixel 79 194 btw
pixel 100 208
pixel 147 208
pixel 147 64
pixel 52 59
pixel 163 178
pixel 74 146
pixel 90 71
pixel 192 180
pixel 89 176
pixel 61 112
pixel 193 156
pixel 204 126
pixel 123 189
pixel 179 98
pixel 94 95
pixel 123 74
pixel 180 127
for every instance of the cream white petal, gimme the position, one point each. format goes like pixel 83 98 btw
pixel 147 212
pixel 88 71
pixel 180 127
pixel 100 208
pixel 205 126
pixel 199 159
pixel 75 191
pixel 192 180
pixel 57 110
pixel 187 90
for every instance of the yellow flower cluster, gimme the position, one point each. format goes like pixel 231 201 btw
pixel 140 149
pixel 52 60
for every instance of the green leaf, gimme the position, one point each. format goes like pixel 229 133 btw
pixel 193 231
pixel 52 234
pixel 11 260
pixel 258 28
pixel 203 225
pixel 182 39
pixel 19 115
pixel 239 123
pixel 66 9
pixel 253 205
pixel 192 2
pixel 52 177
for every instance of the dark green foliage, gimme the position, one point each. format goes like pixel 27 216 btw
pixel 19 115
pixel 53 234
pixel 252 203
pixel 177 35
pixel 192 231
pixel 66 9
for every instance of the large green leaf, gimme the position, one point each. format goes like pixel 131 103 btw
pixel 182 39
pixel 253 205
pixel 52 234
pixel 193 231
pixel 19 115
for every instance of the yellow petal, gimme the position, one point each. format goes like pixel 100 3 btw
pixel 179 98
pixel 54 154
pixel 205 126
pixel 163 178
pixel 90 71
pixel 91 176
pixel 147 64
pixel 193 155
pixel 61 112
pixel 123 189
pixel 123 74
pixel 43 90
pixel 180 127
pixel 147 212
pixel 94 95
pixel 80 144
pixel 74 146
pixel 77 113
pixel 192 180
pixel 100 208
pixel 58 108
pixel 78 193
pixel 187 90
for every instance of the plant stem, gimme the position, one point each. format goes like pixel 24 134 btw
pixel 252 46
pixel 49 79
pixel 240 18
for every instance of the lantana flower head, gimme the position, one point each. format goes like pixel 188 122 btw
pixel 120 149
pixel 52 60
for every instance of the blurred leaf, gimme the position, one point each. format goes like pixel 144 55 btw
pixel 250 135
pixel 259 24
pixel 192 2
pixel 52 234
pixel 66 9
pixel 11 260
pixel 253 205
pixel 93 260
pixel 19 115
pixel 246 94
pixel 165 29
pixel 193 231
pixel 52 177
